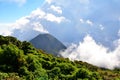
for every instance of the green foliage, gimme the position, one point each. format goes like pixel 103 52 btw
pixel 9 56
pixel 66 68
pixel 83 73
pixel 21 61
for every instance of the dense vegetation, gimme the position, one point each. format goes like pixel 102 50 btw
pixel 21 61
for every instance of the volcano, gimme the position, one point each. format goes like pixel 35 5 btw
pixel 48 43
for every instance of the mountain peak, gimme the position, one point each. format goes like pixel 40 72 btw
pixel 48 43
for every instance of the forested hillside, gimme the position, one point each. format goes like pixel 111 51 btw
pixel 21 61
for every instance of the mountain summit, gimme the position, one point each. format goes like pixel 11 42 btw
pixel 48 43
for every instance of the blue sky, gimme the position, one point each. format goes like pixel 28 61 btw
pixel 89 28
pixel 11 10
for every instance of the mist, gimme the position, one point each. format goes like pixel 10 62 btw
pixel 94 53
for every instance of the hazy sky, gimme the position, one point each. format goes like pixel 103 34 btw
pixel 99 18
pixel 93 26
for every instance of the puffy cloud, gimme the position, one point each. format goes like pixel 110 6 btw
pixel 38 27
pixel 53 18
pixel 56 9
pixel 38 13
pixel 94 53
pixel 21 22
pixel 26 28
pixel 89 22
pixel 30 26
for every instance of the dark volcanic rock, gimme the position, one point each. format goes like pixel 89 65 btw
pixel 48 43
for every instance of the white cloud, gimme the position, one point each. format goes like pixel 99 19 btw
pixel 38 13
pixel 26 28
pixel 21 22
pixel 29 26
pixel 81 21
pixel 91 52
pixel 6 33
pixel 5 29
pixel 39 27
pixel 56 9
pixel 86 22
pixel 20 2
pixel 53 18
pixel 89 22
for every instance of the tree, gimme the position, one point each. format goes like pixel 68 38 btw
pixel 9 57
pixel 83 73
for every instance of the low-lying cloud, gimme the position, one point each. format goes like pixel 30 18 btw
pixel 94 53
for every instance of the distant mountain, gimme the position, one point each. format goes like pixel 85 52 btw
pixel 48 43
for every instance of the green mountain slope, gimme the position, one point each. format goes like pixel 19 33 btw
pixel 21 61
pixel 47 43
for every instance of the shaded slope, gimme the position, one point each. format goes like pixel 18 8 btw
pixel 48 43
